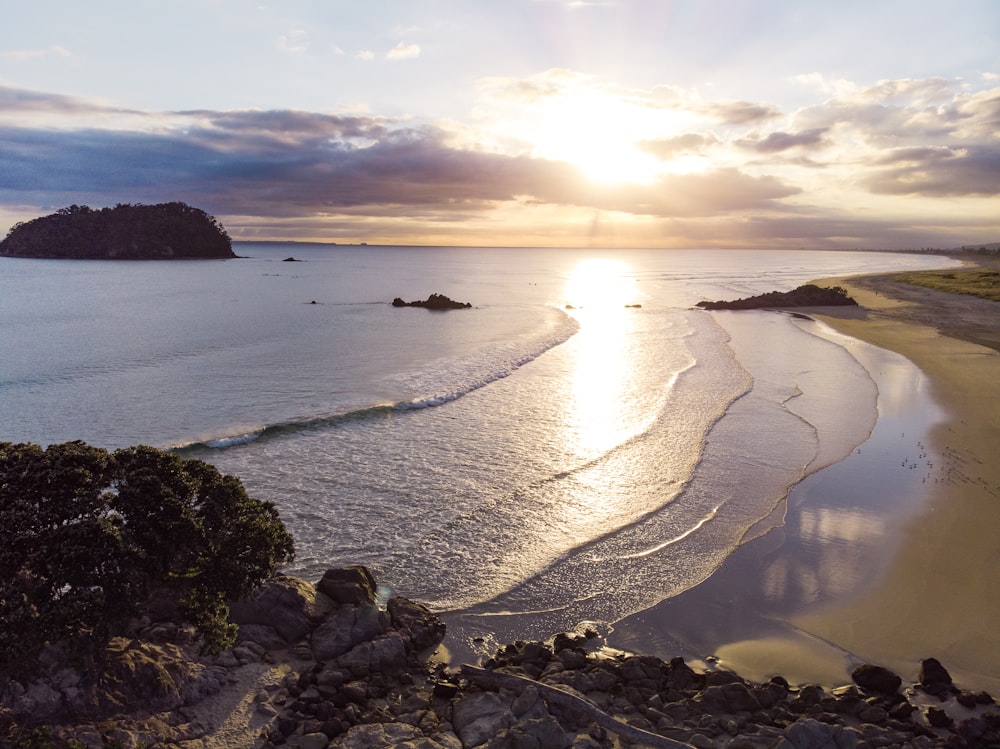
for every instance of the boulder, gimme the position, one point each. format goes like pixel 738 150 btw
pixel 934 678
pixel 479 716
pixel 348 626
pixel 876 679
pixel 416 622
pixel 284 604
pixel 354 584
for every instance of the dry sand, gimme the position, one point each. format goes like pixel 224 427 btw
pixel 935 592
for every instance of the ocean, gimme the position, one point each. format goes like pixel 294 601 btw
pixel 579 445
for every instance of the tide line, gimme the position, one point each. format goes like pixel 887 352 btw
pixel 669 542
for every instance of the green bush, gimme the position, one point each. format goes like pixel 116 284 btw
pixel 87 536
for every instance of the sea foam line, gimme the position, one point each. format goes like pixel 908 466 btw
pixel 474 374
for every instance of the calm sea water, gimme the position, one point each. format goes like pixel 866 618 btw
pixel 556 453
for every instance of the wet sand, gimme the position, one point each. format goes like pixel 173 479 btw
pixel 892 555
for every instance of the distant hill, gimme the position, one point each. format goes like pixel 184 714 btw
pixel 125 232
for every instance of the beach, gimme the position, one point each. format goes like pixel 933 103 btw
pixel 934 593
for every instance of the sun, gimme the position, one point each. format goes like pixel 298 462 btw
pixel 596 133
pixel 593 132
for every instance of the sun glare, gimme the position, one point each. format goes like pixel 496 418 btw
pixel 597 134
pixel 599 291
pixel 600 284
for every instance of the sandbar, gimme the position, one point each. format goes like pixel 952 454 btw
pixel 934 592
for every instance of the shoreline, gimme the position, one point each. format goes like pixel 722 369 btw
pixel 930 593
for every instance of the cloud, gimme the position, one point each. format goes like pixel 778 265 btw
pixel 668 148
pixel 893 145
pixel 780 141
pixel 739 112
pixel 30 55
pixel 403 51
pixel 19 101
pixel 938 172
pixel 295 42
pixel 365 54
pixel 284 163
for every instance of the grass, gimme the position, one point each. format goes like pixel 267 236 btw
pixel 979 282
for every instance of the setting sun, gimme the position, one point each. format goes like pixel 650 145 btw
pixel 595 133
pixel 592 132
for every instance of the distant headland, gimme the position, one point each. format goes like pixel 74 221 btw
pixel 165 231
pixel 808 295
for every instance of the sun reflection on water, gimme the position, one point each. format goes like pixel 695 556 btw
pixel 601 294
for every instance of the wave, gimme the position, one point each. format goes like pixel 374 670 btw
pixel 447 382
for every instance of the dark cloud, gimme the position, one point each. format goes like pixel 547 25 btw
pixel 291 124
pixel 297 163
pixel 19 100
pixel 780 141
pixel 739 112
pixel 938 172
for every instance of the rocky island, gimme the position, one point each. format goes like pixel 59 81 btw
pixel 809 295
pixel 165 231
pixel 434 301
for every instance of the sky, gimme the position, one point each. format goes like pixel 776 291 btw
pixel 580 123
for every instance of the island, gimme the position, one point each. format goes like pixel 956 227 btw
pixel 809 295
pixel 434 301
pixel 165 231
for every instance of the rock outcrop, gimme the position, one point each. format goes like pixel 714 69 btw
pixel 325 666
pixel 809 295
pixel 434 301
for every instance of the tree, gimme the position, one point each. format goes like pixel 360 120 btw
pixel 88 536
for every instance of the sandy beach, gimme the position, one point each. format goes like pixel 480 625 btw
pixel 891 584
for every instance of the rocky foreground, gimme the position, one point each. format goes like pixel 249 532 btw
pixel 325 666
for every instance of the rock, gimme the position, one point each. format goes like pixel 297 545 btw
pixel 478 716
pixel 938 718
pixel 876 679
pixel 354 584
pixel 379 735
pixel 811 734
pixel 415 621
pixel 434 301
pixel 934 678
pixel 388 654
pixel 347 627
pixel 284 604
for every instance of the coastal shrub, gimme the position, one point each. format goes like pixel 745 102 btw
pixel 89 537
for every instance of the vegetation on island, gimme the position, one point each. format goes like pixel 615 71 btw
pixel 125 232
pixel 90 540
pixel 980 282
